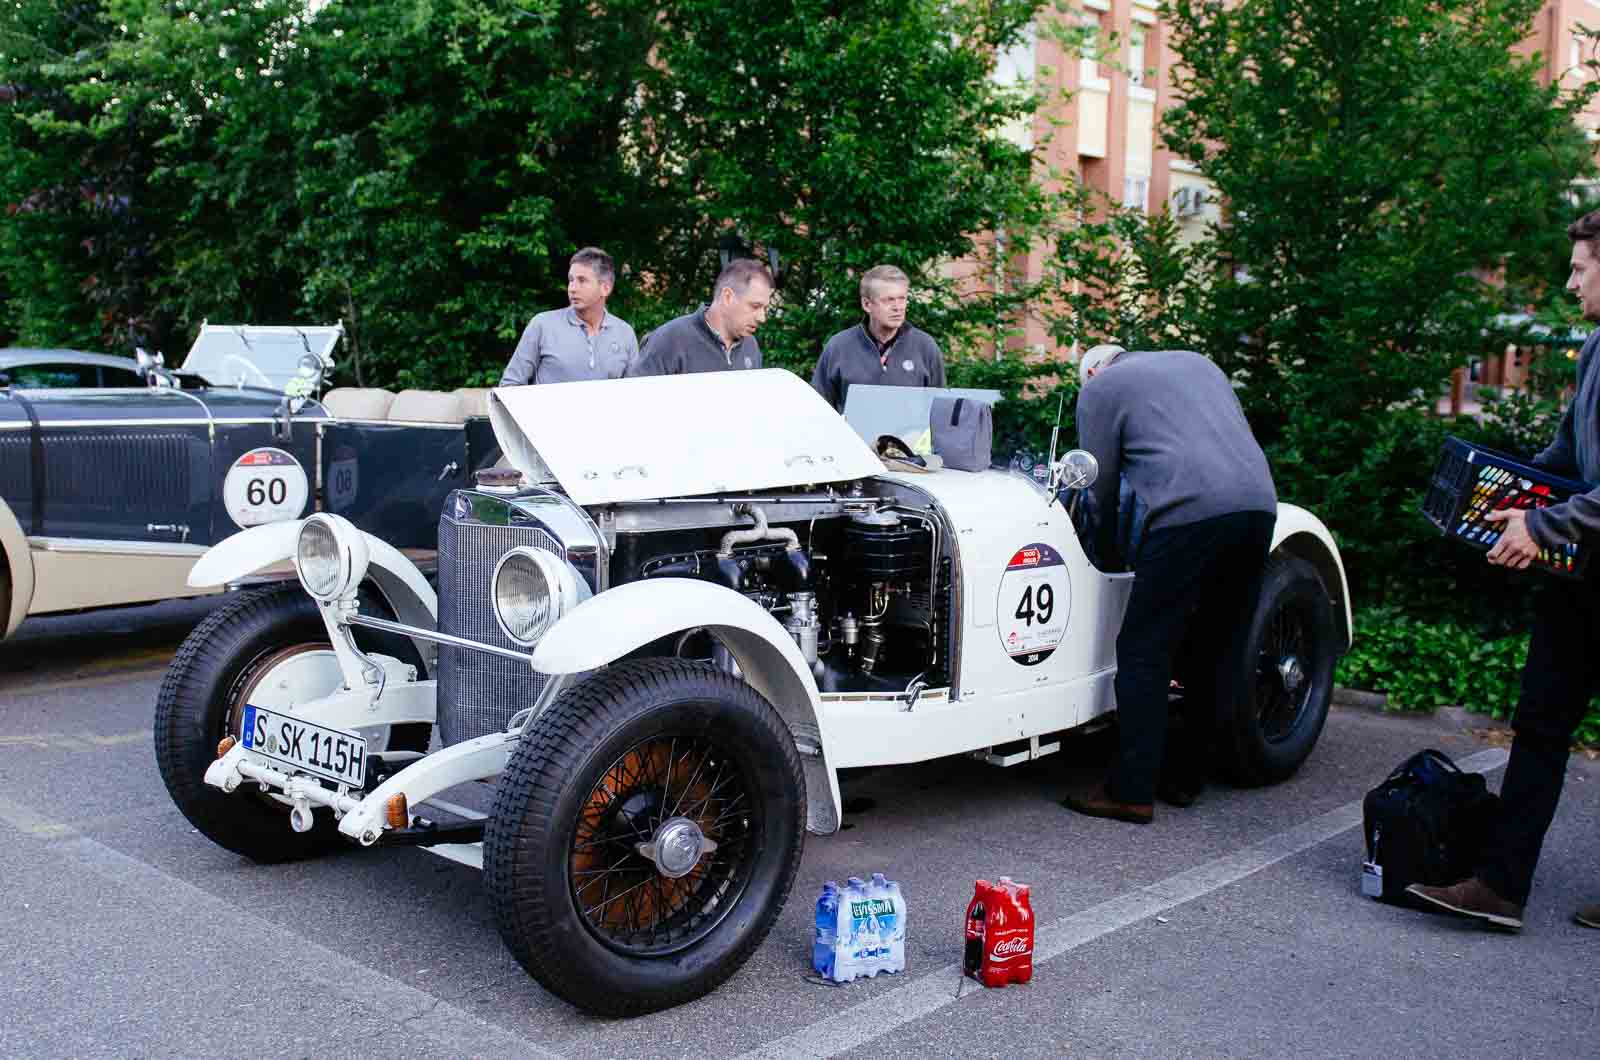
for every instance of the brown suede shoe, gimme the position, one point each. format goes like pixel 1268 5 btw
pixel 1472 898
pixel 1588 916
pixel 1097 803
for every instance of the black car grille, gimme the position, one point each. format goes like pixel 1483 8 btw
pixel 479 692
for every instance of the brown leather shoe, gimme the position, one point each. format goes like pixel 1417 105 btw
pixel 1588 916
pixel 1471 898
pixel 1097 803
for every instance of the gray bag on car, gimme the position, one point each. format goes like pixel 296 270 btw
pixel 963 432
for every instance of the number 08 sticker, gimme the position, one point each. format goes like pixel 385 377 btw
pixel 265 485
pixel 1035 598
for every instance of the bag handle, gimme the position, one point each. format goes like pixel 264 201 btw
pixel 955 411
pixel 1438 758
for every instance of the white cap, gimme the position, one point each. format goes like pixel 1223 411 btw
pixel 1095 357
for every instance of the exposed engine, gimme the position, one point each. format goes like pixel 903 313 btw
pixel 862 588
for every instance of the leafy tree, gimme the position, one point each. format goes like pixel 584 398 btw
pixel 76 243
pixel 1121 276
pixel 1385 163
pixel 841 134
pixel 455 155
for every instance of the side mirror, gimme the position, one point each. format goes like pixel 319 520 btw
pixel 152 367
pixel 1077 470
pixel 311 367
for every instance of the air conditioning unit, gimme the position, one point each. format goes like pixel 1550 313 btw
pixel 1189 202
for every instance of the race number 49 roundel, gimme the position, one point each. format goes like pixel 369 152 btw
pixel 1035 598
pixel 265 485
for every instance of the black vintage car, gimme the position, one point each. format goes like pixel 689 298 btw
pixel 109 495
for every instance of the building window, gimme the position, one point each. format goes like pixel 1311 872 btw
pixel 1136 194
pixel 1089 54
pixel 1015 65
pixel 1136 56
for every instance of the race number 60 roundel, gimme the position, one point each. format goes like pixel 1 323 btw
pixel 1035 599
pixel 265 485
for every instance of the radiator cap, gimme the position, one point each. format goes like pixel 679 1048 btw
pixel 498 479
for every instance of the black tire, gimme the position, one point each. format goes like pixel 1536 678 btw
pixel 589 779
pixel 200 702
pixel 1290 651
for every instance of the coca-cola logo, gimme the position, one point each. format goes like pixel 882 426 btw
pixel 1006 949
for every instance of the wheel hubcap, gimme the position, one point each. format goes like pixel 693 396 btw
pixel 664 844
pixel 1291 673
pixel 676 847
pixel 1283 679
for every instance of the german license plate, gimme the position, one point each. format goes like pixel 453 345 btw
pixel 322 752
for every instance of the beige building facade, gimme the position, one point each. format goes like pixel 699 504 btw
pixel 1107 130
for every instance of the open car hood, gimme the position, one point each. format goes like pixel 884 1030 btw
pixel 259 355
pixel 615 440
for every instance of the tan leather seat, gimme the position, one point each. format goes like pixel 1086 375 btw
pixel 425 406
pixel 474 400
pixel 358 403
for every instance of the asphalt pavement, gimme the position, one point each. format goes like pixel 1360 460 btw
pixel 1234 928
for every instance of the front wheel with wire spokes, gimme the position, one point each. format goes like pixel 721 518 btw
pixel 645 834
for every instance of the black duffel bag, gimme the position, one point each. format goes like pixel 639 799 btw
pixel 1427 823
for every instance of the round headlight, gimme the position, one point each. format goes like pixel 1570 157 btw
pixel 330 556
pixel 532 588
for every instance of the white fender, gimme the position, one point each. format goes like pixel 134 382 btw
pixel 402 584
pixel 606 627
pixel 19 563
pixel 244 553
pixel 1302 534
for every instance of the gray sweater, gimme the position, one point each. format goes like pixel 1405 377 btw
pixel 1575 453
pixel 688 344
pixel 912 359
pixel 1170 422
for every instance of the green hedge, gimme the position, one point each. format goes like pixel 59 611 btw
pixel 1422 665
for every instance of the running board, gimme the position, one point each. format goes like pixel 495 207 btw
pixel 1016 752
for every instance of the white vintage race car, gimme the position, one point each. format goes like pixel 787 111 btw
pixel 700 599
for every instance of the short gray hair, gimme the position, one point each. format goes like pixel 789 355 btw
pixel 881 274
pixel 1096 357
pixel 738 274
pixel 597 261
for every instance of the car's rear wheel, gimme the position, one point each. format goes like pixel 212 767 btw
pixel 269 648
pixel 645 835
pixel 1290 650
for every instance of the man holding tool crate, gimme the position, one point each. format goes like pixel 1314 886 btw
pixel 1563 669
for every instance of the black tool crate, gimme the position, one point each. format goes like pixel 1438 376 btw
pixel 1471 481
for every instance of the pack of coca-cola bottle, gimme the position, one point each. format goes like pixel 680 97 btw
pixel 999 933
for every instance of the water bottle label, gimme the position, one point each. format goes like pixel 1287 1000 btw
pixel 872 907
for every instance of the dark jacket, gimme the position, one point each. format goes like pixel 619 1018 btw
pixel 1575 453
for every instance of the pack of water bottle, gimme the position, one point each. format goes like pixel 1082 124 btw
pixel 860 929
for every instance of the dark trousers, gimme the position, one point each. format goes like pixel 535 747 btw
pixel 1561 675
pixel 1204 576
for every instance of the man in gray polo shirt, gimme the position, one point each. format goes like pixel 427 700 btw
pixel 883 349
pixel 720 337
pixel 1169 421
pixel 582 341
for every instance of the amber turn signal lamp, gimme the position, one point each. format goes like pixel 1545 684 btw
pixel 225 745
pixel 396 812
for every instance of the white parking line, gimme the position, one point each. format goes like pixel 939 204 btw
pixel 870 1020
pixel 258 943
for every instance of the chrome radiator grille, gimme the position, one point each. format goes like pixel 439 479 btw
pixel 479 692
